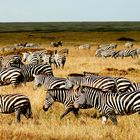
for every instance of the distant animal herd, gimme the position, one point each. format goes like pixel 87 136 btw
pixel 111 96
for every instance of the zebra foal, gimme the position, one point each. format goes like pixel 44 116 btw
pixel 18 103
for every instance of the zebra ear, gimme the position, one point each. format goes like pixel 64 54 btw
pixel 34 75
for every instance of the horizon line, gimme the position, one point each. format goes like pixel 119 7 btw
pixel 63 21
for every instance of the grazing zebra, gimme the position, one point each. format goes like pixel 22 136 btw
pixel 109 104
pixel 11 61
pixel 10 49
pixel 11 75
pixel 128 45
pixel 106 53
pixel 50 82
pixel 31 58
pixel 43 56
pixel 126 53
pixel 85 46
pixel 104 83
pixel 30 69
pixel 64 96
pixel 56 44
pixel 107 46
pixel 18 103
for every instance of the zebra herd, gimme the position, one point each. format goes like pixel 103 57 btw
pixel 111 96
pixel 99 92
pixel 108 50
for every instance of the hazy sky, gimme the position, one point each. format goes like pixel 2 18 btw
pixel 69 10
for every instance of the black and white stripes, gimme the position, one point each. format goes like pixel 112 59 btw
pixel 65 96
pixel 104 83
pixel 11 75
pixel 18 103
pixel 50 82
pixel 109 104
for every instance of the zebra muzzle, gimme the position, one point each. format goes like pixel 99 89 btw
pixel 45 109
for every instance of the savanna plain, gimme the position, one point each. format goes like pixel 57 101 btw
pixel 47 125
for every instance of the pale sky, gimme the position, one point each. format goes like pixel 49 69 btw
pixel 69 10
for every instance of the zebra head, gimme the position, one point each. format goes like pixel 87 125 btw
pixel 38 80
pixel 80 100
pixel 49 100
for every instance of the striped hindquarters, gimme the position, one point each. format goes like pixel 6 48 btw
pixel 11 102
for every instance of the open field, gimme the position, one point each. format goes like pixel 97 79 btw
pixel 47 125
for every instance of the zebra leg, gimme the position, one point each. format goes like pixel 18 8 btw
pixel 113 119
pixel 66 112
pixel 112 116
pixel 18 112
pixel 75 112
pixel 27 113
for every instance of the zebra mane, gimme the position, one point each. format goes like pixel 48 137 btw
pixel 76 74
pixel 90 73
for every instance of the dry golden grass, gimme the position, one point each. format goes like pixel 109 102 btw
pixel 47 125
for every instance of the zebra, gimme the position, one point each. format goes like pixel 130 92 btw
pixel 31 58
pixel 106 53
pixel 43 56
pixel 107 46
pixel 85 46
pixel 128 45
pixel 110 104
pixel 10 49
pixel 11 61
pixel 50 82
pixel 126 53
pixel 11 75
pixel 18 103
pixel 56 44
pixel 104 83
pixel 64 96
pixel 30 69
pixel 59 60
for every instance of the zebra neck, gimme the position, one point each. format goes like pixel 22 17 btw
pixel 95 99
pixel 44 78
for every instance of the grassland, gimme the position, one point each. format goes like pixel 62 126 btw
pixel 47 125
